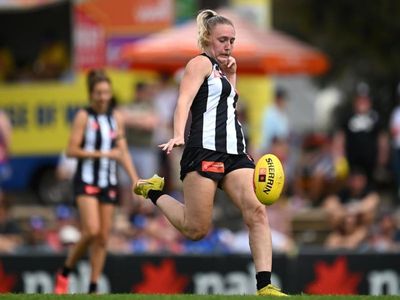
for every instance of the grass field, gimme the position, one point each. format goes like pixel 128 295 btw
pixel 180 297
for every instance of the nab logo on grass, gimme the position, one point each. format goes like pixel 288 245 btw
pixel 334 279
pixel 162 279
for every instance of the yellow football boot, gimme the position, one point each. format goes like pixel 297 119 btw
pixel 143 186
pixel 271 290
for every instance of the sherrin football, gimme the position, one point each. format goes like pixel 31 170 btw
pixel 269 179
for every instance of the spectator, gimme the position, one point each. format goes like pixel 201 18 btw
pixel 69 235
pixel 357 195
pixel 35 237
pixel 5 142
pixel 316 174
pixel 7 62
pixel 361 137
pixel 52 61
pixel 140 122
pixel 10 232
pixel 164 104
pixel 121 235
pixel 65 171
pixel 64 232
pixel 395 134
pixel 386 236
pixel 349 234
pixel 275 121
pixel 154 233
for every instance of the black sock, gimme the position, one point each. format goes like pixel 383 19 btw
pixel 65 271
pixel 93 287
pixel 153 195
pixel 263 279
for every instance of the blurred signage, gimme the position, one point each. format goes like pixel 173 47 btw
pixel 89 42
pixel 130 17
pixel 114 51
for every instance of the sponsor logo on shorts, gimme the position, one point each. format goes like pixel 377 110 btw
pixel 212 166
pixel 92 190
pixel 271 176
pixel 112 194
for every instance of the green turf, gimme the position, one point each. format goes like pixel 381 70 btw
pixel 179 297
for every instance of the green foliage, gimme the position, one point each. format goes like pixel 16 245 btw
pixel 359 36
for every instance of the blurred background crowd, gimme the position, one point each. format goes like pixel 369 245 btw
pixel 336 129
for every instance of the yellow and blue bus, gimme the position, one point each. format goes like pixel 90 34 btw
pixel 41 114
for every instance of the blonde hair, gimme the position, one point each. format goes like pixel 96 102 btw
pixel 206 20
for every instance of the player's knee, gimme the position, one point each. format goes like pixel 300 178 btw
pixel 90 234
pixel 101 240
pixel 255 215
pixel 195 234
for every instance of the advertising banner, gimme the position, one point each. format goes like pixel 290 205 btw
pixel 89 42
pixel 130 17
pixel 222 274
pixel 373 274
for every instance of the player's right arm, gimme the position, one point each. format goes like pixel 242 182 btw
pixel 196 71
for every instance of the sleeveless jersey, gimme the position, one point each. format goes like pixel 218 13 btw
pixel 214 119
pixel 100 134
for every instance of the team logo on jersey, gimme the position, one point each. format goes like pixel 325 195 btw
pixel 113 134
pixel 95 125
pixel 217 72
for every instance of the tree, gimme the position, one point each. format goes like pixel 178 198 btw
pixel 359 36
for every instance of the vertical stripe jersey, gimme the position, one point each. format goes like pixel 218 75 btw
pixel 214 118
pixel 100 134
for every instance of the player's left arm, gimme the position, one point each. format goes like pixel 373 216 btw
pixel 125 159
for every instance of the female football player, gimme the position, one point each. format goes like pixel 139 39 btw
pixel 215 153
pixel 97 141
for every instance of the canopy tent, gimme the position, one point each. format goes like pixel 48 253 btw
pixel 256 51
pixel 25 4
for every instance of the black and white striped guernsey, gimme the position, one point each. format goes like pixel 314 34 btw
pixel 214 119
pixel 100 134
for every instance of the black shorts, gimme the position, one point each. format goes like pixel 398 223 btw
pixel 212 164
pixel 108 194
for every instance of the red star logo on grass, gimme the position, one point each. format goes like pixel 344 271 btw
pixel 7 282
pixel 334 279
pixel 161 279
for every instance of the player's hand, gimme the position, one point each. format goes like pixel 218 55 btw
pixel 172 143
pixel 114 154
pixel 228 65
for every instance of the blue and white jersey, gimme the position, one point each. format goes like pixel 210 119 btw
pixel 100 135
pixel 214 119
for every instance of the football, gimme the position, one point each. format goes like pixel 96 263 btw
pixel 269 179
